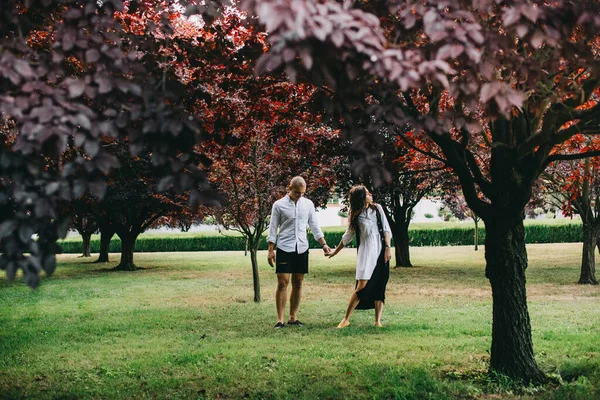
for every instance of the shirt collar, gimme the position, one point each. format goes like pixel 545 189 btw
pixel 289 199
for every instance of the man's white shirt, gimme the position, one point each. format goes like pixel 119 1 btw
pixel 292 220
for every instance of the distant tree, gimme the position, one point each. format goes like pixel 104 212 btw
pixel 84 219
pixel 457 206
pixel 184 219
pixel 132 202
pixel 575 186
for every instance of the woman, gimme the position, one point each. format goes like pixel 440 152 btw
pixel 367 221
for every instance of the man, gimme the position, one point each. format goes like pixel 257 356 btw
pixel 291 215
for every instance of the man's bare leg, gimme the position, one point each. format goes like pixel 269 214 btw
pixel 281 295
pixel 296 295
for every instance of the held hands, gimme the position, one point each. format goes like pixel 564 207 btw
pixel 326 250
pixel 333 253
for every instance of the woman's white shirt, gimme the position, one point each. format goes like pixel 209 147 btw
pixel 370 240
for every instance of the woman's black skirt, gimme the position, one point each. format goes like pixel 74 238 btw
pixel 375 288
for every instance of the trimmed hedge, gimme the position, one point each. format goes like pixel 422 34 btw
pixel 564 233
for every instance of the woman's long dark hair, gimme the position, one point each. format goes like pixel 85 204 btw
pixel 357 197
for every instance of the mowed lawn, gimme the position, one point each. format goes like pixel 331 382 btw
pixel 186 327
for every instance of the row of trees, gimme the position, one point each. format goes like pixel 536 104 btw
pixel 489 93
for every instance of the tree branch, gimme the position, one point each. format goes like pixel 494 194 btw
pixel 425 152
pixel 566 157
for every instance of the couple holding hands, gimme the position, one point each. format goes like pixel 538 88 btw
pixel 288 249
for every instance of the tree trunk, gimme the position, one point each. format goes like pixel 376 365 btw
pixel 588 259
pixel 87 241
pixel 401 246
pixel 106 235
pixel 476 234
pixel 127 247
pixel 506 261
pixel 598 240
pixel 255 277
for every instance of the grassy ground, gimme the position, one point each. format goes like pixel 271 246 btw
pixel 186 327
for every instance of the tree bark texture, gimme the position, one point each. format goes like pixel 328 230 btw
pixel 255 276
pixel 106 235
pixel 476 234
pixel 87 241
pixel 506 257
pixel 401 244
pixel 127 247
pixel 588 259
pixel 399 221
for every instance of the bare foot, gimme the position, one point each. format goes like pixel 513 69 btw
pixel 378 325
pixel 343 324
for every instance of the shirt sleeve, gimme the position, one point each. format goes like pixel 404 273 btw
pixel 348 236
pixel 313 223
pixel 384 221
pixel 273 224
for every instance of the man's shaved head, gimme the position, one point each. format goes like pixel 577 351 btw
pixel 297 182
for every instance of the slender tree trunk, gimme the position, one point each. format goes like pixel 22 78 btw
pixel 255 277
pixel 106 235
pixel 87 241
pixel 588 259
pixel 127 247
pixel 476 234
pixel 506 261
pixel 401 243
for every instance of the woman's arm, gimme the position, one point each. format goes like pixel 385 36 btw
pixel 346 238
pixel 339 247
pixel 388 249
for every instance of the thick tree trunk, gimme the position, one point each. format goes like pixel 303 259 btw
pixel 401 244
pixel 255 277
pixel 87 241
pixel 476 234
pixel 106 235
pixel 506 258
pixel 588 259
pixel 127 247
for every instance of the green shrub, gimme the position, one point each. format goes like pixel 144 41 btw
pixel 456 236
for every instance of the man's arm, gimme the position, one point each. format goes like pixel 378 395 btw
pixel 316 230
pixel 272 237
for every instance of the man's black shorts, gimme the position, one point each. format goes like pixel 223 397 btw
pixel 291 263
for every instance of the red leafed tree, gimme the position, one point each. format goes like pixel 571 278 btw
pixel 255 173
pixel 183 220
pixel 521 67
pixel 260 129
pixel 575 184
pixel 132 203
pixel 71 76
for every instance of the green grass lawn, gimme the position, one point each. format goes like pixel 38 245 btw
pixel 186 327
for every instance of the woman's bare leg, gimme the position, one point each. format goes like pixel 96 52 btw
pixel 354 300
pixel 378 312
